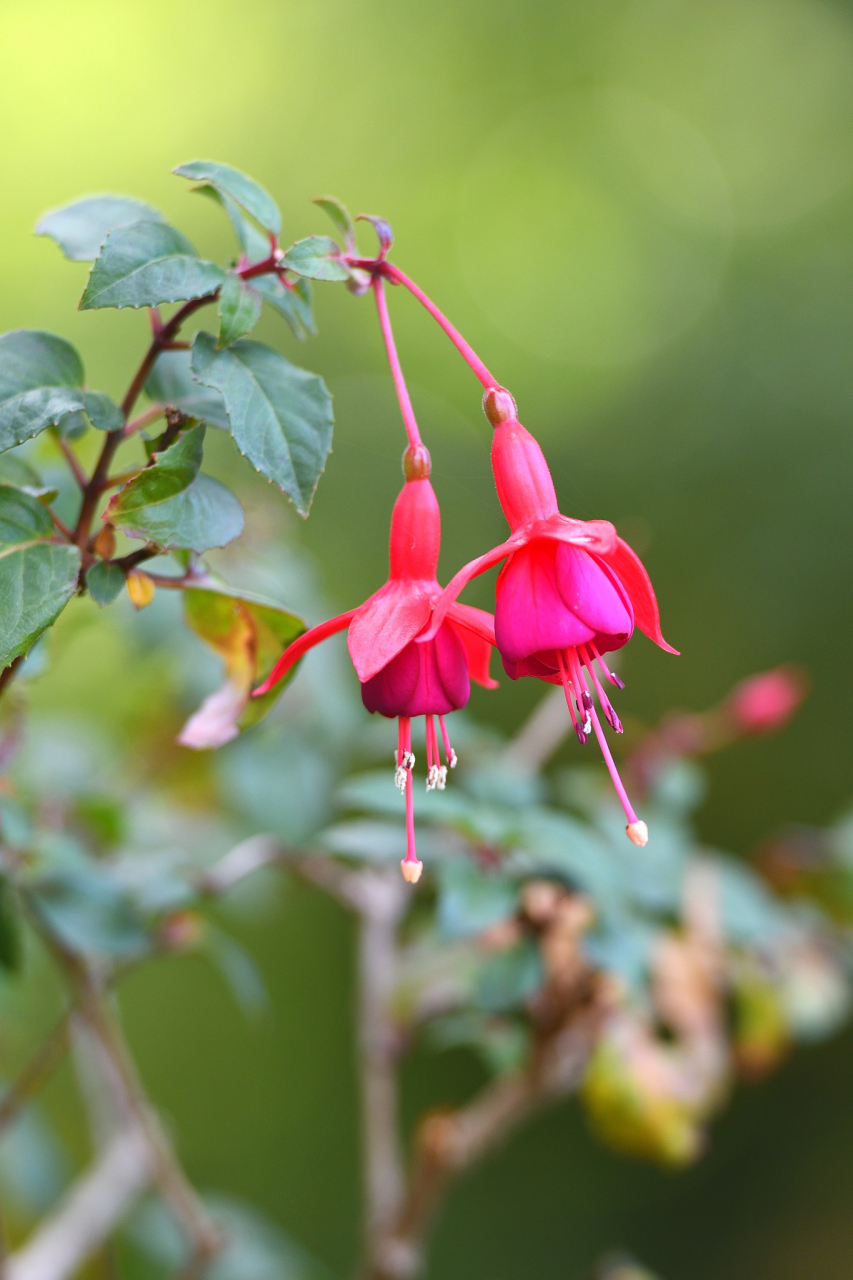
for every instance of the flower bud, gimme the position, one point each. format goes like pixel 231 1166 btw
pixel 417 463
pixel 105 543
pixel 766 702
pixel 140 588
pixel 499 406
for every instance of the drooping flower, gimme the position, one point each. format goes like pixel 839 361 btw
pixel 399 677
pixel 569 590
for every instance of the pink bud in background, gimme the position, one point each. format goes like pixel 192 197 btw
pixel 765 702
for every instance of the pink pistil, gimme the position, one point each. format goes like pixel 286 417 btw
pixel 614 773
pixel 410 865
pixel 567 690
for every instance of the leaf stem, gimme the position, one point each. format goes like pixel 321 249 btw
pixel 35 1073
pixel 71 458
pixel 151 414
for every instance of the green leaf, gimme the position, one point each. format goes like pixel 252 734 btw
pixel 105 581
pixel 281 416
pixel 341 217
pixel 11 934
pixel 317 257
pixel 82 227
pixel 171 382
pixel 293 303
pixel 15 471
pixel 22 517
pixel 244 191
pixel 239 309
pixel 145 264
pixel 171 504
pixel 90 912
pixel 510 978
pixel 471 900
pixel 41 379
pixel 37 580
pixel 249 634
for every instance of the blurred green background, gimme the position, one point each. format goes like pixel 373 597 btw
pixel 640 215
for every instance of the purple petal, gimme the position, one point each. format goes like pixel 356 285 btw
pixel 423 679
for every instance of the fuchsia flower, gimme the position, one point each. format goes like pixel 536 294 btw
pixel 569 591
pixel 401 678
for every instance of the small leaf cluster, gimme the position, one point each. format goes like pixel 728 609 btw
pixel 278 414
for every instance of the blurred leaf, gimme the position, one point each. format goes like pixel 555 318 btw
pixel 90 912
pixel 104 818
pixel 244 191
pixel 238 969
pixel 552 843
pixel 283 786
pixel 82 227
pixel 171 382
pixel 11 934
pixel 750 915
pixel 384 841
pixel 384 234
pixel 341 217
pixel 281 416
pixel 145 264
pixel 105 581
pixel 255 1248
pixel 171 504
pixel 41 380
pixel 470 899
pixel 240 308
pixel 509 979
pixel 249 634
pixel 33 1170
pixel 36 582
pixel 18 473
pixel 317 257
pixel 22 518
pixel 15 826
pixel 501 1043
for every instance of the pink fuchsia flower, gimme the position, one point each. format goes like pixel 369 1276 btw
pixel 399 677
pixel 569 590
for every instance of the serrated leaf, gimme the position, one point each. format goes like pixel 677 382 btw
pixel 294 303
pixel 244 191
pixel 105 581
pixel 280 415
pixel 171 504
pixel 82 227
pixel 146 264
pixel 22 517
pixel 341 217
pixel 249 634
pixel 37 580
pixel 41 379
pixel 171 382
pixel 239 309
pixel 317 257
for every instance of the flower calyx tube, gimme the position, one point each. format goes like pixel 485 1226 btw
pixel 569 591
pixel 401 678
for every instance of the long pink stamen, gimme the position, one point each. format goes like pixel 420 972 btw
pixel 611 676
pixel 429 731
pixel 567 690
pixel 613 771
pixel 583 696
pixel 396 372
pixel 610 715
pixel 449 753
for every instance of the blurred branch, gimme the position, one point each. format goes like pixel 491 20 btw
pixel 540 735
pixel 88 1213
pixel 35 1073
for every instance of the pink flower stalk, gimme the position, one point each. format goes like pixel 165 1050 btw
pixel 569 590
pixel 399 677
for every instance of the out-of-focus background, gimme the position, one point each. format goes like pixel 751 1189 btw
pixel 640 215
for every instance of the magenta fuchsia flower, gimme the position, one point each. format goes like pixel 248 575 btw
pixel 401 678
pixel 569 590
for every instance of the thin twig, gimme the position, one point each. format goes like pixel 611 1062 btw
pixel 40 1066
pixel 149 415
pixel 71 458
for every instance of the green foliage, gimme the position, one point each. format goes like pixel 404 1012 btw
pixel 104 581
pixel 170 382
pixel 15 471
pixel 37 579
pixel 280 415
pixel 41 379
pixel 317 257
pixel 81 228
pixel 22 517
pixel 341 217
pixel 145 264
pixel 171 504
pixel 240 307
pixel 233 184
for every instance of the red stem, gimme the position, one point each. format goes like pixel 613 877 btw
pixel 393 360
pixel 382 268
